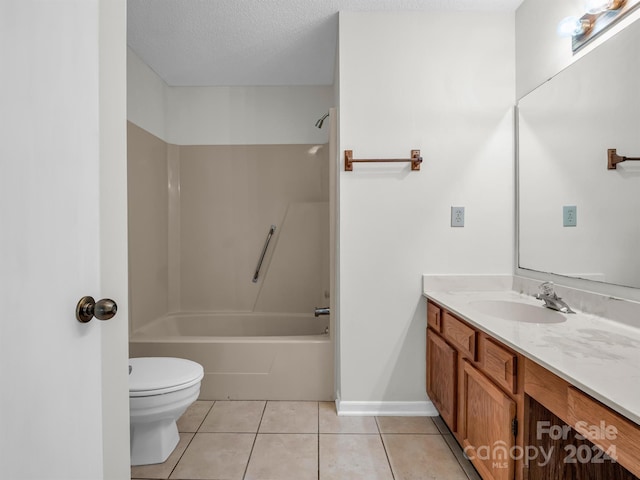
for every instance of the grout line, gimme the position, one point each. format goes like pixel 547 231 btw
pixel 386 453
pixel 384 446
pixel 205 416
pixel 183 452
pixel 255 439
pixel 264 409
pixel 365 434
pixel 194 436
pixel 246 467
pixel 318 440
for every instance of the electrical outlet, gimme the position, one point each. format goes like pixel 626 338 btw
pixel 569 216
pixel 457 216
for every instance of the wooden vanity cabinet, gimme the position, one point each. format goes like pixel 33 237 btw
pixel 472 380
pixel 577 431
pixel 500 405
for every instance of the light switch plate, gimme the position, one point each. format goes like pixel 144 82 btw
pixel 457 216
pixel 569 216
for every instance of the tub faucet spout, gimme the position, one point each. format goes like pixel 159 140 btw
pixel 321 311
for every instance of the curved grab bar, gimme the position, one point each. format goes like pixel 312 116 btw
pixel 264 251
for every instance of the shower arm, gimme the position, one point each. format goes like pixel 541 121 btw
pixel 264 251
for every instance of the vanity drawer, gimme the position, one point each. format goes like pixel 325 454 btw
pixel 460 334
pixel 613 433
pixel 499 363
pixel 433 316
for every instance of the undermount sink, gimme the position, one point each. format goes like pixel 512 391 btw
pixel 517 311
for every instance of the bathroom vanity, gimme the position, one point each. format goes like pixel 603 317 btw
pixel 530 393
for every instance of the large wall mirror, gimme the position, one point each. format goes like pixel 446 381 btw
pixel 565 128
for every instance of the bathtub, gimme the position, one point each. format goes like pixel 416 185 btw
pixel 247 356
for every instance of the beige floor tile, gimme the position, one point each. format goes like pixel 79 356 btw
pixel 422 425
pixel 287 456
pixel 353 457
pixel 234 417
pixel 163 470
pixel 191 419
pixel 421 457
pixel 215 456
pixel 290 417
pixel 330 422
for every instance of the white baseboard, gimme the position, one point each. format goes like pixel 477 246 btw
pixel 407 409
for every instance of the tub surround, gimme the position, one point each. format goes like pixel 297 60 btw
pixel 600 355
pixel 198 218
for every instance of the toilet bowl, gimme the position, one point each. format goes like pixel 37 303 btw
pixel 160 390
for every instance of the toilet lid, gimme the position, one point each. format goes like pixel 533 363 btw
pixel 159 375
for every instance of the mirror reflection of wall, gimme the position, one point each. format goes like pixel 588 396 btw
pixel 565 127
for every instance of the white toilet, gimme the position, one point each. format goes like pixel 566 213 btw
pixel 160 390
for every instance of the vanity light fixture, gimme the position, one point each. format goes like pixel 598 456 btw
pixel 599 15
pixel 574 26
pixel 599 6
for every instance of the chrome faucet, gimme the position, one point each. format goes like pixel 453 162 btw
pixel 551 298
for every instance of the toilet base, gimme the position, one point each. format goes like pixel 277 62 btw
pixel 153 428
pixel 153 442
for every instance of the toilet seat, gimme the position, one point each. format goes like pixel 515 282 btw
pixel 159 375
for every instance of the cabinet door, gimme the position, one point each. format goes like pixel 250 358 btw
pixel 442 377
pixel 488 415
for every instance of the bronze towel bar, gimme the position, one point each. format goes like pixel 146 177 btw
pixel 415 160
pixel 614 159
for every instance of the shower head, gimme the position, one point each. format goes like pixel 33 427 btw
pixel 319 122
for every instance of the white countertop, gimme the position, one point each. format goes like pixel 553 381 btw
pixel 597 355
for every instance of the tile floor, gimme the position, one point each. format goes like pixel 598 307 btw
pixel 280 440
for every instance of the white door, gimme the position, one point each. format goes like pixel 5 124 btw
pixel 63 384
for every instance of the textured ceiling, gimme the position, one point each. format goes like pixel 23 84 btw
pixel 255 42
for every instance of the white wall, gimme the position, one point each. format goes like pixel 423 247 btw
pixel 146 97
pixel 247 115
pixel 443 83
pixel 225 115
pixel 541 53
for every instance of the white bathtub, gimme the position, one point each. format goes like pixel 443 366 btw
pixel 247 356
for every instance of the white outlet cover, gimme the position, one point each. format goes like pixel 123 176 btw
pixel 457 216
